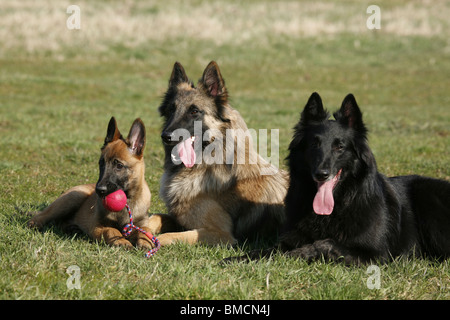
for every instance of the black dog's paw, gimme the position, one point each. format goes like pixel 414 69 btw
pixel 307 252
pixel 326 249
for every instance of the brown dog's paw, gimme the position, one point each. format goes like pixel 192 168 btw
pixel 166 239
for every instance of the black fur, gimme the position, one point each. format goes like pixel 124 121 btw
pixel 374 218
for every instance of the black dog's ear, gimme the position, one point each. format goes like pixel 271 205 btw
pixel 350 115
pixel 178 75
pixel 113 133
pixel 212 81
pixel 313 110
pixel 136 138
pixel 313 113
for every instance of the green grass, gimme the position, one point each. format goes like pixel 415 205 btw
pixel 59 89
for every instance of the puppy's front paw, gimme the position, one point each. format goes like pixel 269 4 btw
pixel 122 242
pixel 144 243
pixel 35 223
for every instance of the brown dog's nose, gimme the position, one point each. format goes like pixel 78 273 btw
pixel 166 136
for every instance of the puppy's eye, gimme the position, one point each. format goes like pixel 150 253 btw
pixel 118 165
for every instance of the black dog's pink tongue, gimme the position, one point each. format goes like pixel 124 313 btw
pixel 323 203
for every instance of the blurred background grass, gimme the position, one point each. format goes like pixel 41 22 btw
pixel 59 88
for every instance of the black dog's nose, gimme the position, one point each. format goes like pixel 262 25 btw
pixel 322 175
pixel 166 136
pixel 101 190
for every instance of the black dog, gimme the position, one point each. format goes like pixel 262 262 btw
pixel 341 208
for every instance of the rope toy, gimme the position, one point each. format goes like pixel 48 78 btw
pixel 129 228
pixel 116 202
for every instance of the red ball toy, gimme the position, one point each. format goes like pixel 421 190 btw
pixel 115 201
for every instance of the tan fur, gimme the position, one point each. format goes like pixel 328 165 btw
pixel 217 203
pixel 82 208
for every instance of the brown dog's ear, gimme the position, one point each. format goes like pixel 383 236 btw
pixel 178 75
pixel 113 133
pixel 212 81
pixel 136 138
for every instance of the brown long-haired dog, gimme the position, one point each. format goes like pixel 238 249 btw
pixel 216 187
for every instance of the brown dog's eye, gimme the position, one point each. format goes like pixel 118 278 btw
pixel 193 110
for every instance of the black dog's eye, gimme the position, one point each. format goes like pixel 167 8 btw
pixel 338 146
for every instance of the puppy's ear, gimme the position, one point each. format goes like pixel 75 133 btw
pixel 313 110
pixel 178 75
pixel 350 115
pixel 136 138
pixel 113 133
pixel 212 81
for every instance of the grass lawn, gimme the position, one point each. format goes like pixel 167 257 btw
pixel 59 88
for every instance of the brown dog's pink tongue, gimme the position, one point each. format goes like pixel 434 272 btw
pixel 187 153
pixel 323 203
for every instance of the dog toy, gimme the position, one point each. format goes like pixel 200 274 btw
pixel 115 201
pixel 130 226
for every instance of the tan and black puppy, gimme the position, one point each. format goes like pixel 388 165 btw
pixel 121 167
